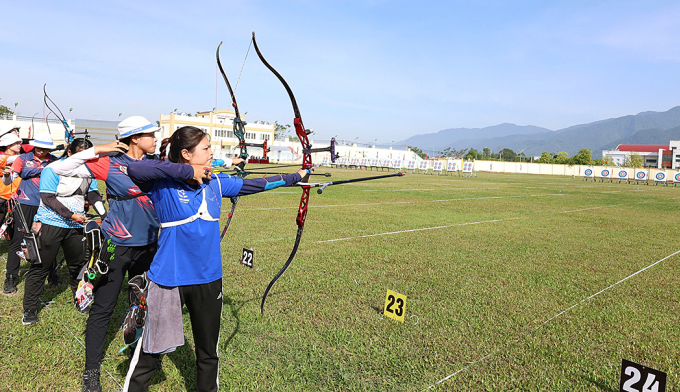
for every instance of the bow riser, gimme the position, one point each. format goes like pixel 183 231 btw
pixel 304 140
pixel 302 211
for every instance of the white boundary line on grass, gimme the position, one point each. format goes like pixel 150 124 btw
pixel 593 208
pixel 551 319
pixel 46 306
pixel 412 230
pixel 400 202
pixel 497 197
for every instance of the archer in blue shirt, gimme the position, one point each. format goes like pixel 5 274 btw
pixel 188 261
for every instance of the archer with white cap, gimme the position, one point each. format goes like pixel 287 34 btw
pixel 131 225
pixel 59 224
pixel 10 147
pixel 25 146
pixel 28 167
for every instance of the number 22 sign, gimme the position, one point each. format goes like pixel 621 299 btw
pixel 395 305
pixel 638 378
pixel 248 257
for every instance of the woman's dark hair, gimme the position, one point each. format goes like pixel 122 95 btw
pixel 185 138
pixel 80 143
pixel 164 146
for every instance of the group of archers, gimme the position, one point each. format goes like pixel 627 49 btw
pixel 160 207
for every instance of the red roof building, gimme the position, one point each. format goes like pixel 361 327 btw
pixel 643 147
pixel 650 154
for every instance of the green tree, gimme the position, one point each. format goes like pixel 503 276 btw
pixel 508 155
pixel 545 158
pixel 418 151
pixel 473 154
pixel 607 161
pixel 486 151
pixel 633 160
pixel 562 158
pixel 584 157
pixel 5 111
pixel 450 152
pixel 281 131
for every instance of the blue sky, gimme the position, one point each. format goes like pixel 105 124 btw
pixel 376 69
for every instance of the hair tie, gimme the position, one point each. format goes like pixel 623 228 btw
pixel 167 151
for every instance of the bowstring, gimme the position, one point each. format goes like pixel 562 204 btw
pixel 242 66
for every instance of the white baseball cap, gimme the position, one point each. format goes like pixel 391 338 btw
pixel 44 140
pixel 8 139
pixel 14 128
pixel 134 125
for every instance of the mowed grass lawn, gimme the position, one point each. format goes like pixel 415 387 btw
pixel 487 264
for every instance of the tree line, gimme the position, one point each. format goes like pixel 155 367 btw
pixel 583 157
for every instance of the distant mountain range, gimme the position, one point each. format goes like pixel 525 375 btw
pixel 642 128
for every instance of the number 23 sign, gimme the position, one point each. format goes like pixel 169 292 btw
pixel 395 305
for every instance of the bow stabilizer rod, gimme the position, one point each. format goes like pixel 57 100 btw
pixel 323 185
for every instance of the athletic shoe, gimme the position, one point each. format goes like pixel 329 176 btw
pixel 91 381
pixel 10 285
pixel 30 317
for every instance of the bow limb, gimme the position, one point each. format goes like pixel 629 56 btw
pixel 306 164
pixel 239 132
pixel 68 132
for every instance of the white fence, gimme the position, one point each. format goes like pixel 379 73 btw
pixel 598 173
pixel 529 168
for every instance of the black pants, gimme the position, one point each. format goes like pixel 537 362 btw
pixel 204 302
pixel 71 240
pixel 3 209
pixel 134 260
pixel 13 260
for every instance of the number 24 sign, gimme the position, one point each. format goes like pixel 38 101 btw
pixel 395 305
pixel 638 378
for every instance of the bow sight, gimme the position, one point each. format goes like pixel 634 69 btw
pixel 330 149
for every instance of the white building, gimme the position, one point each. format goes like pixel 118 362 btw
pixel 653 155
pixel 219 125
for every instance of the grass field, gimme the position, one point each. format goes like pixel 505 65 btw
pixel 489 265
